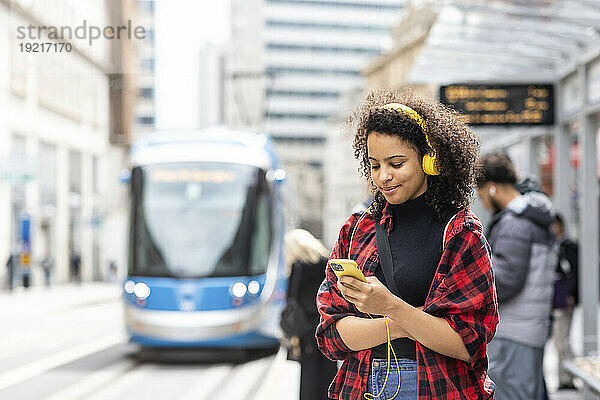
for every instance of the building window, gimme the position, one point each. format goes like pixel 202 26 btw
pixel 75 172
pixel 18 74
pixel 95 176
pixel 146 6
pixel 150 35
pixel 313 140
pixel 145 121
pixel 322 49
pixel 307 116
pixel 146 93
pixel 310 71
pixel 47 174
pixel 333 27
pixel 148 64
pixel 300 93
pixel 341 4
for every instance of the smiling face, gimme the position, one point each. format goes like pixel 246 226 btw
pixel 395 168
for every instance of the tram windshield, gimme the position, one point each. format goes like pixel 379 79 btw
pixel 200 219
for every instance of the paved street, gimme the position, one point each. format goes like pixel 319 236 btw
pixel 68 342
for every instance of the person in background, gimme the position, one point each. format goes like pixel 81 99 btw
pixel 112 270
pixel 76 267
pixel 523 259
pixel 11 265
pixel 527 185
pixel 307 257
pixel 566 297
pixel 47 265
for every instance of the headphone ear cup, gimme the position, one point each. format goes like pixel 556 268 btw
pixel 429 164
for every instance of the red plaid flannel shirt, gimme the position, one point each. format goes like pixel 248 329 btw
pixel 462 292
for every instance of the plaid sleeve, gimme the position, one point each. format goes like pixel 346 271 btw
pixel 331 304
pixel 467 297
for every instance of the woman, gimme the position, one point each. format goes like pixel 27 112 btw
pixel 420 159
pixel 306 256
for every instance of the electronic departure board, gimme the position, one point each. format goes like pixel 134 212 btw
pixel 488 104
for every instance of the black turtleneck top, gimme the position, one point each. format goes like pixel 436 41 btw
pixel 416 244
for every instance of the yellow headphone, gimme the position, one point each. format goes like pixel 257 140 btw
pixel 430 159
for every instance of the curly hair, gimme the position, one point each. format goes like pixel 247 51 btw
pixel 456 146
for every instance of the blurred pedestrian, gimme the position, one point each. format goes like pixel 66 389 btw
pixel 566 297
pixel 527 185
pixel 307 257
pixel 523 258
pixel 429 293
pixel 11 265
pixel 76 267
pixel 112 270
pixel 47 266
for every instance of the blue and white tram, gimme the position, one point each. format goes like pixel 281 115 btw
pixel 205 264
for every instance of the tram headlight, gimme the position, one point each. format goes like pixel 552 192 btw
pixel 141 290
pixel 276 176
pixel 238 289
pixel 129 287
pixel 253 287
pixel 280 175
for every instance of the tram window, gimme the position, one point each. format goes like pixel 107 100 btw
pixel 193 220
pixel 261 242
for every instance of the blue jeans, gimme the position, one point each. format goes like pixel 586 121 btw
pixel 408 379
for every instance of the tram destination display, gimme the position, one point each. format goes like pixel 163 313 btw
pixel 501 104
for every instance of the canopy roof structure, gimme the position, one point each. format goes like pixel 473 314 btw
pixel 532 42
pixel 506 40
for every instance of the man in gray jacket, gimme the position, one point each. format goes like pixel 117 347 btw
pixel 524 254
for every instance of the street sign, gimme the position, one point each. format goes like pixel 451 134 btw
pixel 25 240
pixel 25 259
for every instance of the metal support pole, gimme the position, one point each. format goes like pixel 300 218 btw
pixel 532 159
pixel 588 249
pixel 588 219
pixel 562 144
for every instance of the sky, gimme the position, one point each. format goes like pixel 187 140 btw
pixel 183 27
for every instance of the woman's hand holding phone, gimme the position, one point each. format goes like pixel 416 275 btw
pixel 370 297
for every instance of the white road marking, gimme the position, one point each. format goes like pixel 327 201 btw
pixel 240 381
pixel 254 374
pixel 92 381
pixel 208 382
pixel 38 367
pixel 27 327
pixel 281 373
pixel 130 378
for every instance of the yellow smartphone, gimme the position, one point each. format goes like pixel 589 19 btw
pixel 346 267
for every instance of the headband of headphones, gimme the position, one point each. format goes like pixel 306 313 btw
pixel 429 161
pixel 413 115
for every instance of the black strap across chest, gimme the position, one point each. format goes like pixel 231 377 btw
pixel 385 257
